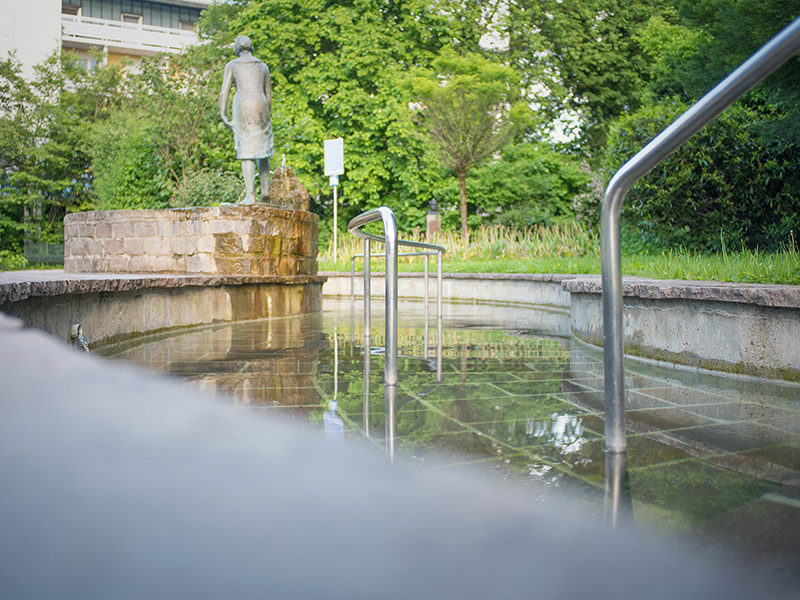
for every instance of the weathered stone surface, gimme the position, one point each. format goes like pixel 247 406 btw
pixel 257 240
pixel 286 191
pixel 786 296
pixel 21 285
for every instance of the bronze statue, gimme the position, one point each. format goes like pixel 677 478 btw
pixel 251 124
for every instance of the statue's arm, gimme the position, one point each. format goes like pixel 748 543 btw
pixel 268 91
pixel 227 80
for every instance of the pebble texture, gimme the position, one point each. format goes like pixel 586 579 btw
pixel 222 240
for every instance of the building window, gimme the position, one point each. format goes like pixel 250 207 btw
pixel 131 18
pixel 69 9
pixel 186 26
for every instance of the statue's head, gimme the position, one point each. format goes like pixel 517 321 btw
pixel 242 43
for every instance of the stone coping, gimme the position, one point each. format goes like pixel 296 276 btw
pixel 758 294
pixel 542 277
pixel 20 285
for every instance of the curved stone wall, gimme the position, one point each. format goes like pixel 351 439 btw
pixel 114 307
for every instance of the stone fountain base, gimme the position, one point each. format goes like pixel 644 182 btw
pixel 255 240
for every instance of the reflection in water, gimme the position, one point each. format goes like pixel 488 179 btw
pixel 617 505
pixel 706 455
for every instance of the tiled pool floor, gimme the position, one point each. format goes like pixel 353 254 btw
pixel 711 459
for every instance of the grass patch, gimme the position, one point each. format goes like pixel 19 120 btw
pixel 570 249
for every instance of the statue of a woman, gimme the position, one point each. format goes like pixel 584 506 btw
pixel 251 124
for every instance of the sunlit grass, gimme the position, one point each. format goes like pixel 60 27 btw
pixel 571 249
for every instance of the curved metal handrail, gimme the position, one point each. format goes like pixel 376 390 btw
pixel 777 51
pixel 391 242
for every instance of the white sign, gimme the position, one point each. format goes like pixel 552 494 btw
pixel 334 157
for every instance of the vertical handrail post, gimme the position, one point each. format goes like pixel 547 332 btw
pixel 367 297
pixel 425 351
pixel 438 315
pixel 390 232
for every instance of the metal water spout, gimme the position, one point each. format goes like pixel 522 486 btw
pixel 76 337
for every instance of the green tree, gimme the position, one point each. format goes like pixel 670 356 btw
pixel 337 71
pixel 725 185
pixel 527 185
pixel 46 165
pixel 587 55
pixel 470 107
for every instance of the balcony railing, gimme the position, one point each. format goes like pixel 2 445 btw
pixel 124 36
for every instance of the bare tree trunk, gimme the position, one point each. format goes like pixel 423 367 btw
pixel 462 184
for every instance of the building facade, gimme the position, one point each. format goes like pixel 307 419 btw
pixel 119 29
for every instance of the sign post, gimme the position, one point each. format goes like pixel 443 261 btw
pixel 334 166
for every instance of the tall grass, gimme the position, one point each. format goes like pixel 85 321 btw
pixel 570 249
pixel 487 244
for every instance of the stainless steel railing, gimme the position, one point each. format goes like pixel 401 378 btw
pixel 391 243
pixel 777 51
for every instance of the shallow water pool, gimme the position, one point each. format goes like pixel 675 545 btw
pixel 714 460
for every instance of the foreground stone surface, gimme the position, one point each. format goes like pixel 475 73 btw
pixel 120 484
pixel 223 240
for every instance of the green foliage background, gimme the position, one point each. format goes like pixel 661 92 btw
pixel 611 73
pixel 727 186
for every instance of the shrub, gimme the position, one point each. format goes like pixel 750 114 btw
pixel 727 185
pixel 208 188
pixel 527 186
pixel 128 171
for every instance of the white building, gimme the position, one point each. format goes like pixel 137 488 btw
pixel 119 28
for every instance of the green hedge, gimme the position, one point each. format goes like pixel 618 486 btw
pixel 727 185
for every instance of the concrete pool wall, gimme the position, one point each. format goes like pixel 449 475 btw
pixel 748 329
pixel 736 328
pixel 114 306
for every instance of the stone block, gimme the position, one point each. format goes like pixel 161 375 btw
pixel 140 264
pixel 113 247
pixel 94 247
pixel 228 243
pixel 153 246
pixel 163 264
pixel 242 226
pixel 133 246
pixel 102 230
pixel 208 263
pixel 119 264
pixel 218 226
pixel 206 243
pixel 143 229
pixel 123 229
pixel 75 247
pixel 194 263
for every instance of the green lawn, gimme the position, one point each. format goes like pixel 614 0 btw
pixel 570 250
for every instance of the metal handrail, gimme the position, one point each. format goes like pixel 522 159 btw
pixel 772 55
pixel 391 241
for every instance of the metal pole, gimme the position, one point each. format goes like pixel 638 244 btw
pixel 367 297
pixel 425 351
pixel 762 63
pixel 390 399
pixel 335 223
pixel 390 231
pixel 439 315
